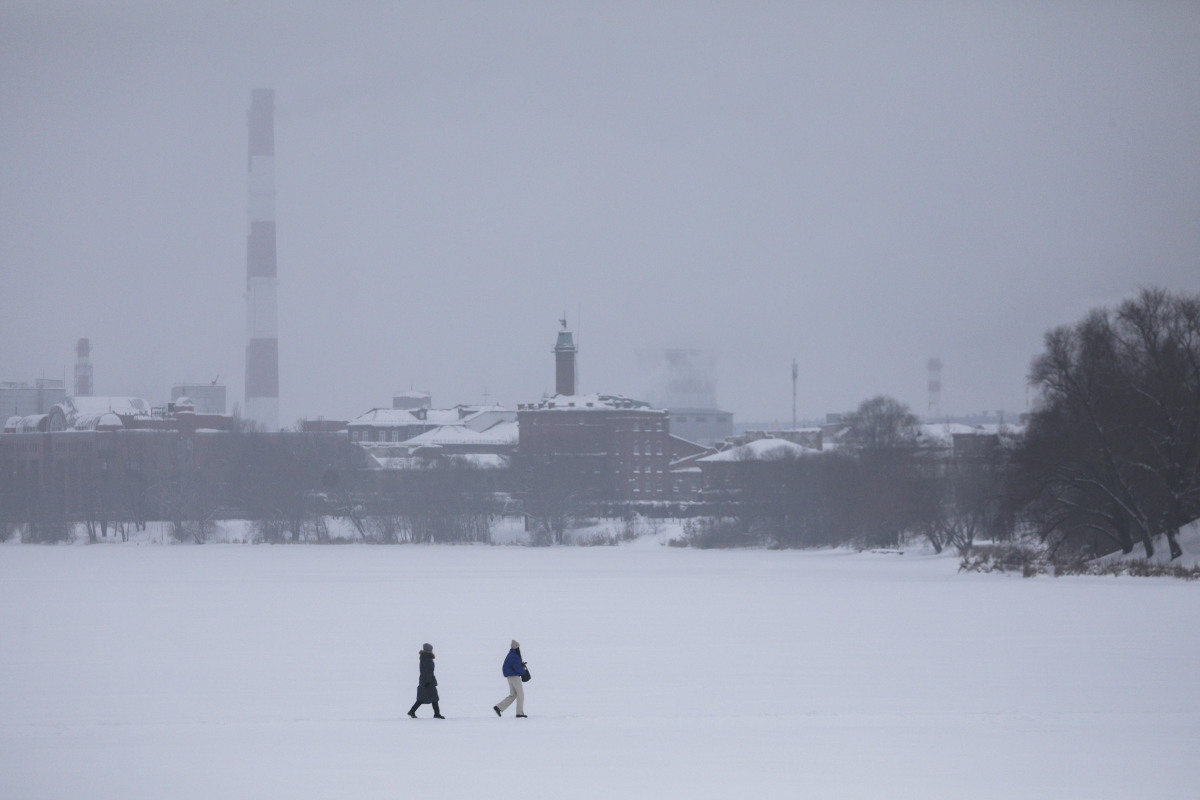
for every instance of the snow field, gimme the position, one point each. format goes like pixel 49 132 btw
pixel 257 672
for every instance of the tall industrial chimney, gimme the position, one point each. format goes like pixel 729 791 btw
pixel 262 338
pixel 564 361
pixel 83 368
pixel 934 365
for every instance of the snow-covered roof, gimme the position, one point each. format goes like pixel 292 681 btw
pixel 584 402
pixel 32 423
pixel 385 418
pixel 759 449
pixel 98 422
pixel 944 432
pixel 487 418
pixel 124 406
pixel 503 433
pixel 477 417
pixel 443 416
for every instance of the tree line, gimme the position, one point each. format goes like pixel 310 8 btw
pixel 1109 459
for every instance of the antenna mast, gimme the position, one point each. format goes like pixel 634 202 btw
pixel 795 374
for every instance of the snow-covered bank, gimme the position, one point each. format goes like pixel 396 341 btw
pixel 1189 542
pixel 220 671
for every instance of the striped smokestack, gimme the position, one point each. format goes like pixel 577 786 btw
pixel 83 368
pixel 262 342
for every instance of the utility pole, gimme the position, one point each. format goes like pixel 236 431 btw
pixel 795 374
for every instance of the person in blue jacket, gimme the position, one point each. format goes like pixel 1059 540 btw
pixel 513 669
pixel 427 684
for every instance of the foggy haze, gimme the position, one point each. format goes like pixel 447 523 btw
pixel 859 186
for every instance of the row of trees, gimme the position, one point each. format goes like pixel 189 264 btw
pixel 884 482
pixel 1110 459
pixel 287 485
pixel 114 482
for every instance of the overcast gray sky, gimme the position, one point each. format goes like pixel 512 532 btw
pixel 860 186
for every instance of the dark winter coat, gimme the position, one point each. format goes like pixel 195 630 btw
pixel 513 664
pixel 427 686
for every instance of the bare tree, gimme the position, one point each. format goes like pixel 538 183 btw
pixel 1114 453
pixel 895 483
pixel 554 493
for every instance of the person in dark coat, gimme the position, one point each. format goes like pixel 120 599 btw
pixel 513 669
pixel 427 685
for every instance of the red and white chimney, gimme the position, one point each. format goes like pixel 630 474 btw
pixel 83 368
pixel 262 338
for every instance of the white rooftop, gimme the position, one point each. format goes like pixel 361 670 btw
pixel 577 402
pixel 503 433
pixel 125 406
pixel 385 418
pixel 759 449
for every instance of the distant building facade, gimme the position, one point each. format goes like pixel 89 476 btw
pixel 611 448
pixel 207 398
pixel 597 447
pixel 24 399
pixel 705 426
pixel 412 400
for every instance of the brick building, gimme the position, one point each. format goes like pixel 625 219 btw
pixel 601 447
pixel 613 448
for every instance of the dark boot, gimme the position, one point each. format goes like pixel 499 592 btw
pixel 497 710
pixel 437 712
pixel 412 712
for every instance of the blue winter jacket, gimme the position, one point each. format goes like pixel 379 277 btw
pixel 512 664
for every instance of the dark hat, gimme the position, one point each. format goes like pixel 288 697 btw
pixel 427 647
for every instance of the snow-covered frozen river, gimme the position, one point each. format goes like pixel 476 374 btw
pixel 237 671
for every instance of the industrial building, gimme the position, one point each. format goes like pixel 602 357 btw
pixel 18 399
pixel 206 398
